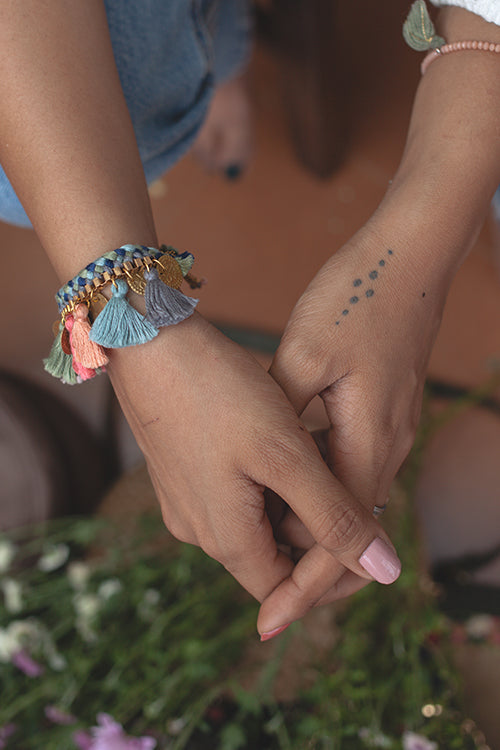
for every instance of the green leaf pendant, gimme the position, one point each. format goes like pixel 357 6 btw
pixel 418 30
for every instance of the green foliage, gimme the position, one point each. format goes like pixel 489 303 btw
pixel 152 633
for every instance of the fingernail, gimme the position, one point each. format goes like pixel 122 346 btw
pixel 272 633
pixel 233 171
pixel 381 562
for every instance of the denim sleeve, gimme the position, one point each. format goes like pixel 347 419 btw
pixel 169 55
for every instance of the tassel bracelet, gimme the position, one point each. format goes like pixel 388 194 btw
pixel 90 323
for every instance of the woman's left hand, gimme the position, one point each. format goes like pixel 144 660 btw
pixel 360 337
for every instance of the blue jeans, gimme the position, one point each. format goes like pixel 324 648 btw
pixel 169 55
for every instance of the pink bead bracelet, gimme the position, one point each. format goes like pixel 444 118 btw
pixel 457 47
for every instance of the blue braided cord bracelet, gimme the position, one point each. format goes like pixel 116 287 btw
pixel 93 274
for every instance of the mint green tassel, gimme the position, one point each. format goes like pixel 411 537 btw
pixel 69 376
pixel 58 363
pixel 119 325
pixel 185 262
pixel 418 30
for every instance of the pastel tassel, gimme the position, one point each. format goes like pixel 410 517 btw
pixel 118 324
pixel 185 262
pixel 58 363
pixel 86 352
pixel 85 373
pixel 165 306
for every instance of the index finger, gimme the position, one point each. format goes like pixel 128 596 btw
pixel 338 523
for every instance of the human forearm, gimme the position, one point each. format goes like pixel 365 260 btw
pixel 451 163
pixel 66 139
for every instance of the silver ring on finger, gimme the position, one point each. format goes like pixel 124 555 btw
pixel 378 510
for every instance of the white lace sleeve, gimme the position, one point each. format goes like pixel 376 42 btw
pixel 488 9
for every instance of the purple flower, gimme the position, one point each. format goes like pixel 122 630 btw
pixel 5 732
pixel 56 716
pixel 82 740
pixel 412 741
pixel 23 661
pixel 109 735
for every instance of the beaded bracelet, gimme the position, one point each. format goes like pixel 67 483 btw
pixel 90 323
pixel 420 34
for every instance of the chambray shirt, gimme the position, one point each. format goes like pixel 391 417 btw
pixel 170 54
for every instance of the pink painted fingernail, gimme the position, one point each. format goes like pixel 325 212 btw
pixel 272 633
pixel 381 562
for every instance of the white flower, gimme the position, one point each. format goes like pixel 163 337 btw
pixel 87 605
pixel 57 661
pixel 31 635
pixel 374 738
pixel 175 726
pixel 12 592
pixel 54 557
pixel 9 645
pixel 146 608
pixel 109 588
pixel 151 597
pixel 78 575
pixel 479 626
pixel 412 741
pixel 7 553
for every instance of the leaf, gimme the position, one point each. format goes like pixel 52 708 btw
pixel 418 30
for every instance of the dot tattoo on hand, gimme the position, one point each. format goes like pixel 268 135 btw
pixel 373 276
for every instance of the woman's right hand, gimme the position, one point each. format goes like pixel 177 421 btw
pixel 216 430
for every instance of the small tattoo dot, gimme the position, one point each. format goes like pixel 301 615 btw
pixel 423 294
pixel 369 292
pixel 389 252
pixel 345 312
pixel 337 322
pixel 373 274
pixel 353 300
pixel 357 282
pixel 381 262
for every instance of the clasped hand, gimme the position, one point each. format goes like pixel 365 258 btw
pixel 217 430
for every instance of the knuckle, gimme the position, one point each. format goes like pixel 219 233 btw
pixel 338 530
pixel 177 530
pixel 304 354
pixel 303 601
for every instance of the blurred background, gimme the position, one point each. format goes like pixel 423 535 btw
pixel 332 100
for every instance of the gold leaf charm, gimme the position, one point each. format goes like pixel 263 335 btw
pixel 170 271
pixel 136 281
pixel 97 303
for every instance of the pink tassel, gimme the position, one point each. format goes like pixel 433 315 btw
pixel 86 352
pixel 84 373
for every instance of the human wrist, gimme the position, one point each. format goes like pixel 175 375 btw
pixel 93 321
pixel 436 211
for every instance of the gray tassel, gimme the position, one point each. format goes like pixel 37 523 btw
pixel 165 306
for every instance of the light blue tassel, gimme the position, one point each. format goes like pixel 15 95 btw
pixel 165 306
pixel 119 325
